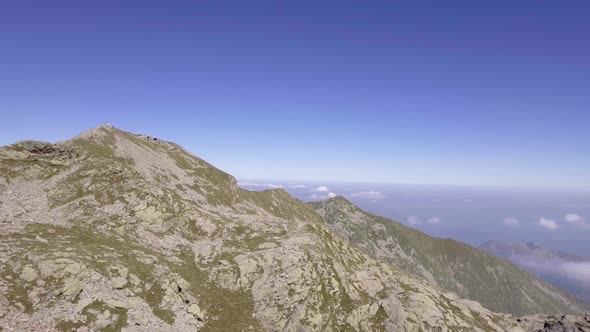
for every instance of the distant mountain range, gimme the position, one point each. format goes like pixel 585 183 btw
pixel 561 269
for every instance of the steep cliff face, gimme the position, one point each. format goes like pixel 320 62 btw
pixel 497 284
pixel 122 231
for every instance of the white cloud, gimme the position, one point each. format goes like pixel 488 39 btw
pixel 373 195
pixel 434 221
pixel 548 224
pixel 298 186
pixel 467 200
pixel 249 185
pixel 511 221
pixel 578 272
pixel 319 197
pixel 321 189
pixel 413 220
pixel 577 220
pixel 573 218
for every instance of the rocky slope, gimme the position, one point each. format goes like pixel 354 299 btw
pixel 497 284
pixel 117 231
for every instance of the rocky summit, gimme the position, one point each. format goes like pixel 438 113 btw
pixel 117 231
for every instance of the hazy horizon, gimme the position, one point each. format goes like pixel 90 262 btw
pixel 555 218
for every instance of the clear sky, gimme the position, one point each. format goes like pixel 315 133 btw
pixel 471 92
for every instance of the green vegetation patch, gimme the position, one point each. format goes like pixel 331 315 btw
pixel 226 310
pixel 18 292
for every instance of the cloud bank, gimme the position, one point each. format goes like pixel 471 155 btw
pixel 252 185
pixel 579 272
pixel 369 195
pixel 511 221
pixel 576 275
pixel 434 221
pixel 548 224
pixel 413 220
pixel 576 220
pixel 320 197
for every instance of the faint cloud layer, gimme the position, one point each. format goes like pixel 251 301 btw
pixel 414 220
pixel 319 197
pixel 573 218
pixel 511 221
pixel 369 195
pixel 576 272
pixel 434 221
pixel 252 185
pixel 548 224
pixel 576 220
pixel 570 218
pixel 321 189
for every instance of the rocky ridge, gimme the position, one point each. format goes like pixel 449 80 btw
pixel 112 230
pixel 497 284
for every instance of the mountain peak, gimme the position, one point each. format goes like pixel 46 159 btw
pixel 336 203
pixel 98 129
pixel 490 243
pixel 338 199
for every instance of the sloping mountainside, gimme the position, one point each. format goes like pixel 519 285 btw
pixel 557 268
pixel 116 231
pixel 497 284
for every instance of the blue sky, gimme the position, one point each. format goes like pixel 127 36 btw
pixel 461 93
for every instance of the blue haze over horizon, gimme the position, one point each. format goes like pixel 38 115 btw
pixel 557 219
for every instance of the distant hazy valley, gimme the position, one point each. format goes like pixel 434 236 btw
pixel 560 269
